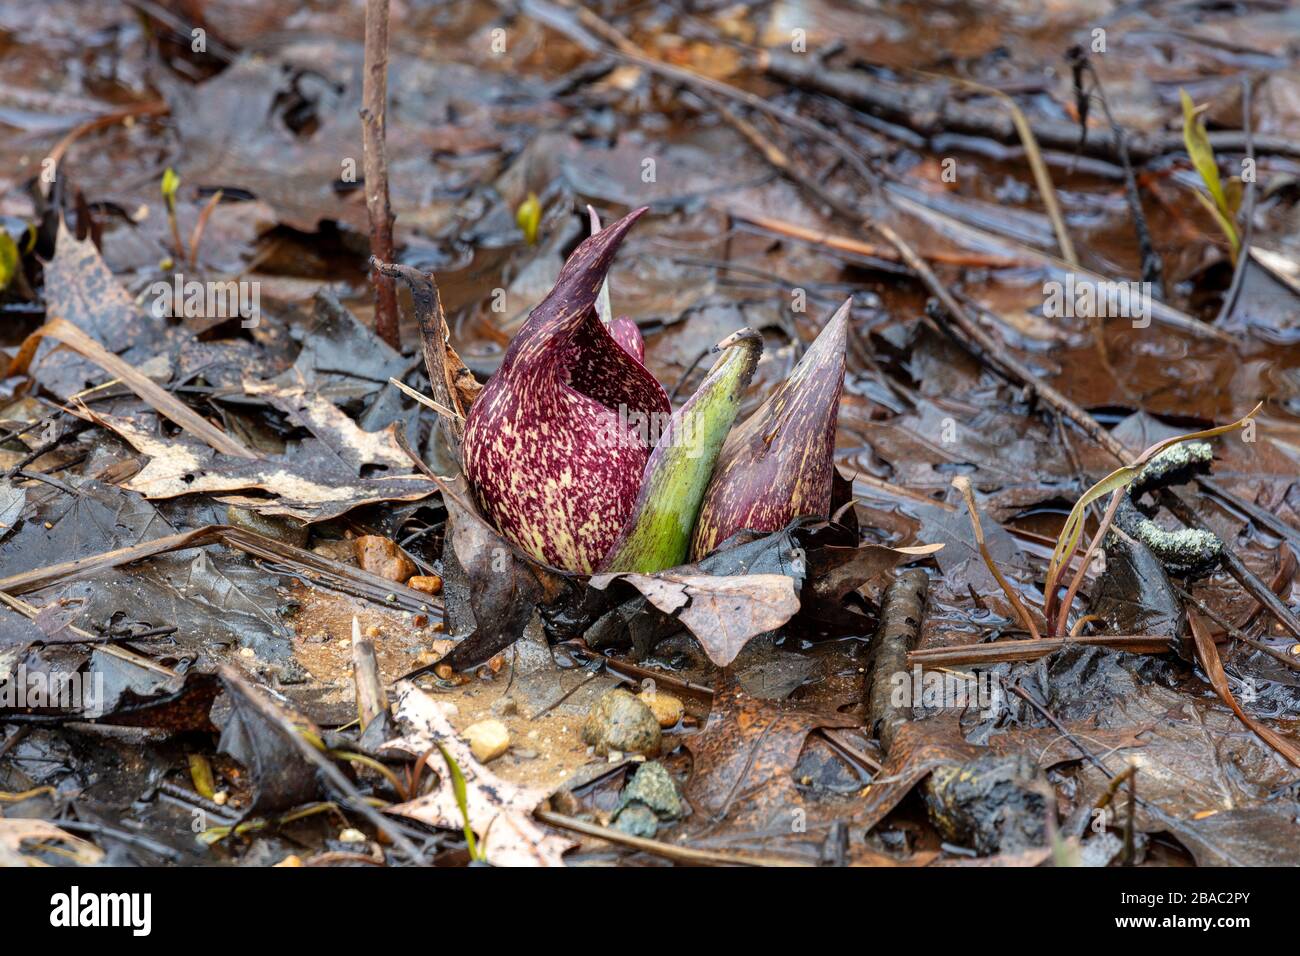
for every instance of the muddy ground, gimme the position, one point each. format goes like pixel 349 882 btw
pixel 791 155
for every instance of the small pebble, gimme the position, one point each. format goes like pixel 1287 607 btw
pixel 654 787
pixel 488 739
pixel 382 556
pixel 637 820
pixel 352 836
pixel 666 708
pixel 618 721
pixel 428 583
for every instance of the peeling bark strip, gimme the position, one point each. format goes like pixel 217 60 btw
pixel 779 464
pixel 454 386
pixel 550 446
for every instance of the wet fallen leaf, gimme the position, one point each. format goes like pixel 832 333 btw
pixel 17 837
pixel 310 481
pixel 723 611
pixel 743 756
pixel 281 777
pixel 922 746
pixel 499 812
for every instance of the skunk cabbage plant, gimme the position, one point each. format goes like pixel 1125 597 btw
pixel 551 446
pixel 574 453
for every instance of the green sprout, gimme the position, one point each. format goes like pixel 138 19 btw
pixel 170 184
pixel 1223 201
pixel 462 801
pixel 529 217
pixel 1115 484
pixel 8 259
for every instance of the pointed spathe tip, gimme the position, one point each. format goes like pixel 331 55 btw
pixel 843 312
pixel 596 251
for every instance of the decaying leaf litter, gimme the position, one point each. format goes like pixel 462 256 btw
pixel 187 491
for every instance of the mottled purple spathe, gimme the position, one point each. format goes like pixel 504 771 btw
pixel 628 335
pixel 549 447
pixel 779 465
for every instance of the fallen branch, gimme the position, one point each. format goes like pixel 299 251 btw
pixel 901 613
pixel 972 235
pixel 1030 650
pixel 931 110
pixel 365 584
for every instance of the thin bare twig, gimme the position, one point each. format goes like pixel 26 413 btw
pixel 1034 156
pixel 1030 650
pixel 963 486
pixel 1107 519
pixel 678 854
pixel 372 699
pixel 374 96
pixel 196 234
pixel 1152 266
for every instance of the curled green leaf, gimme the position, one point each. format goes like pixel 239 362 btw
pixel 658 534
pixel 1199 149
